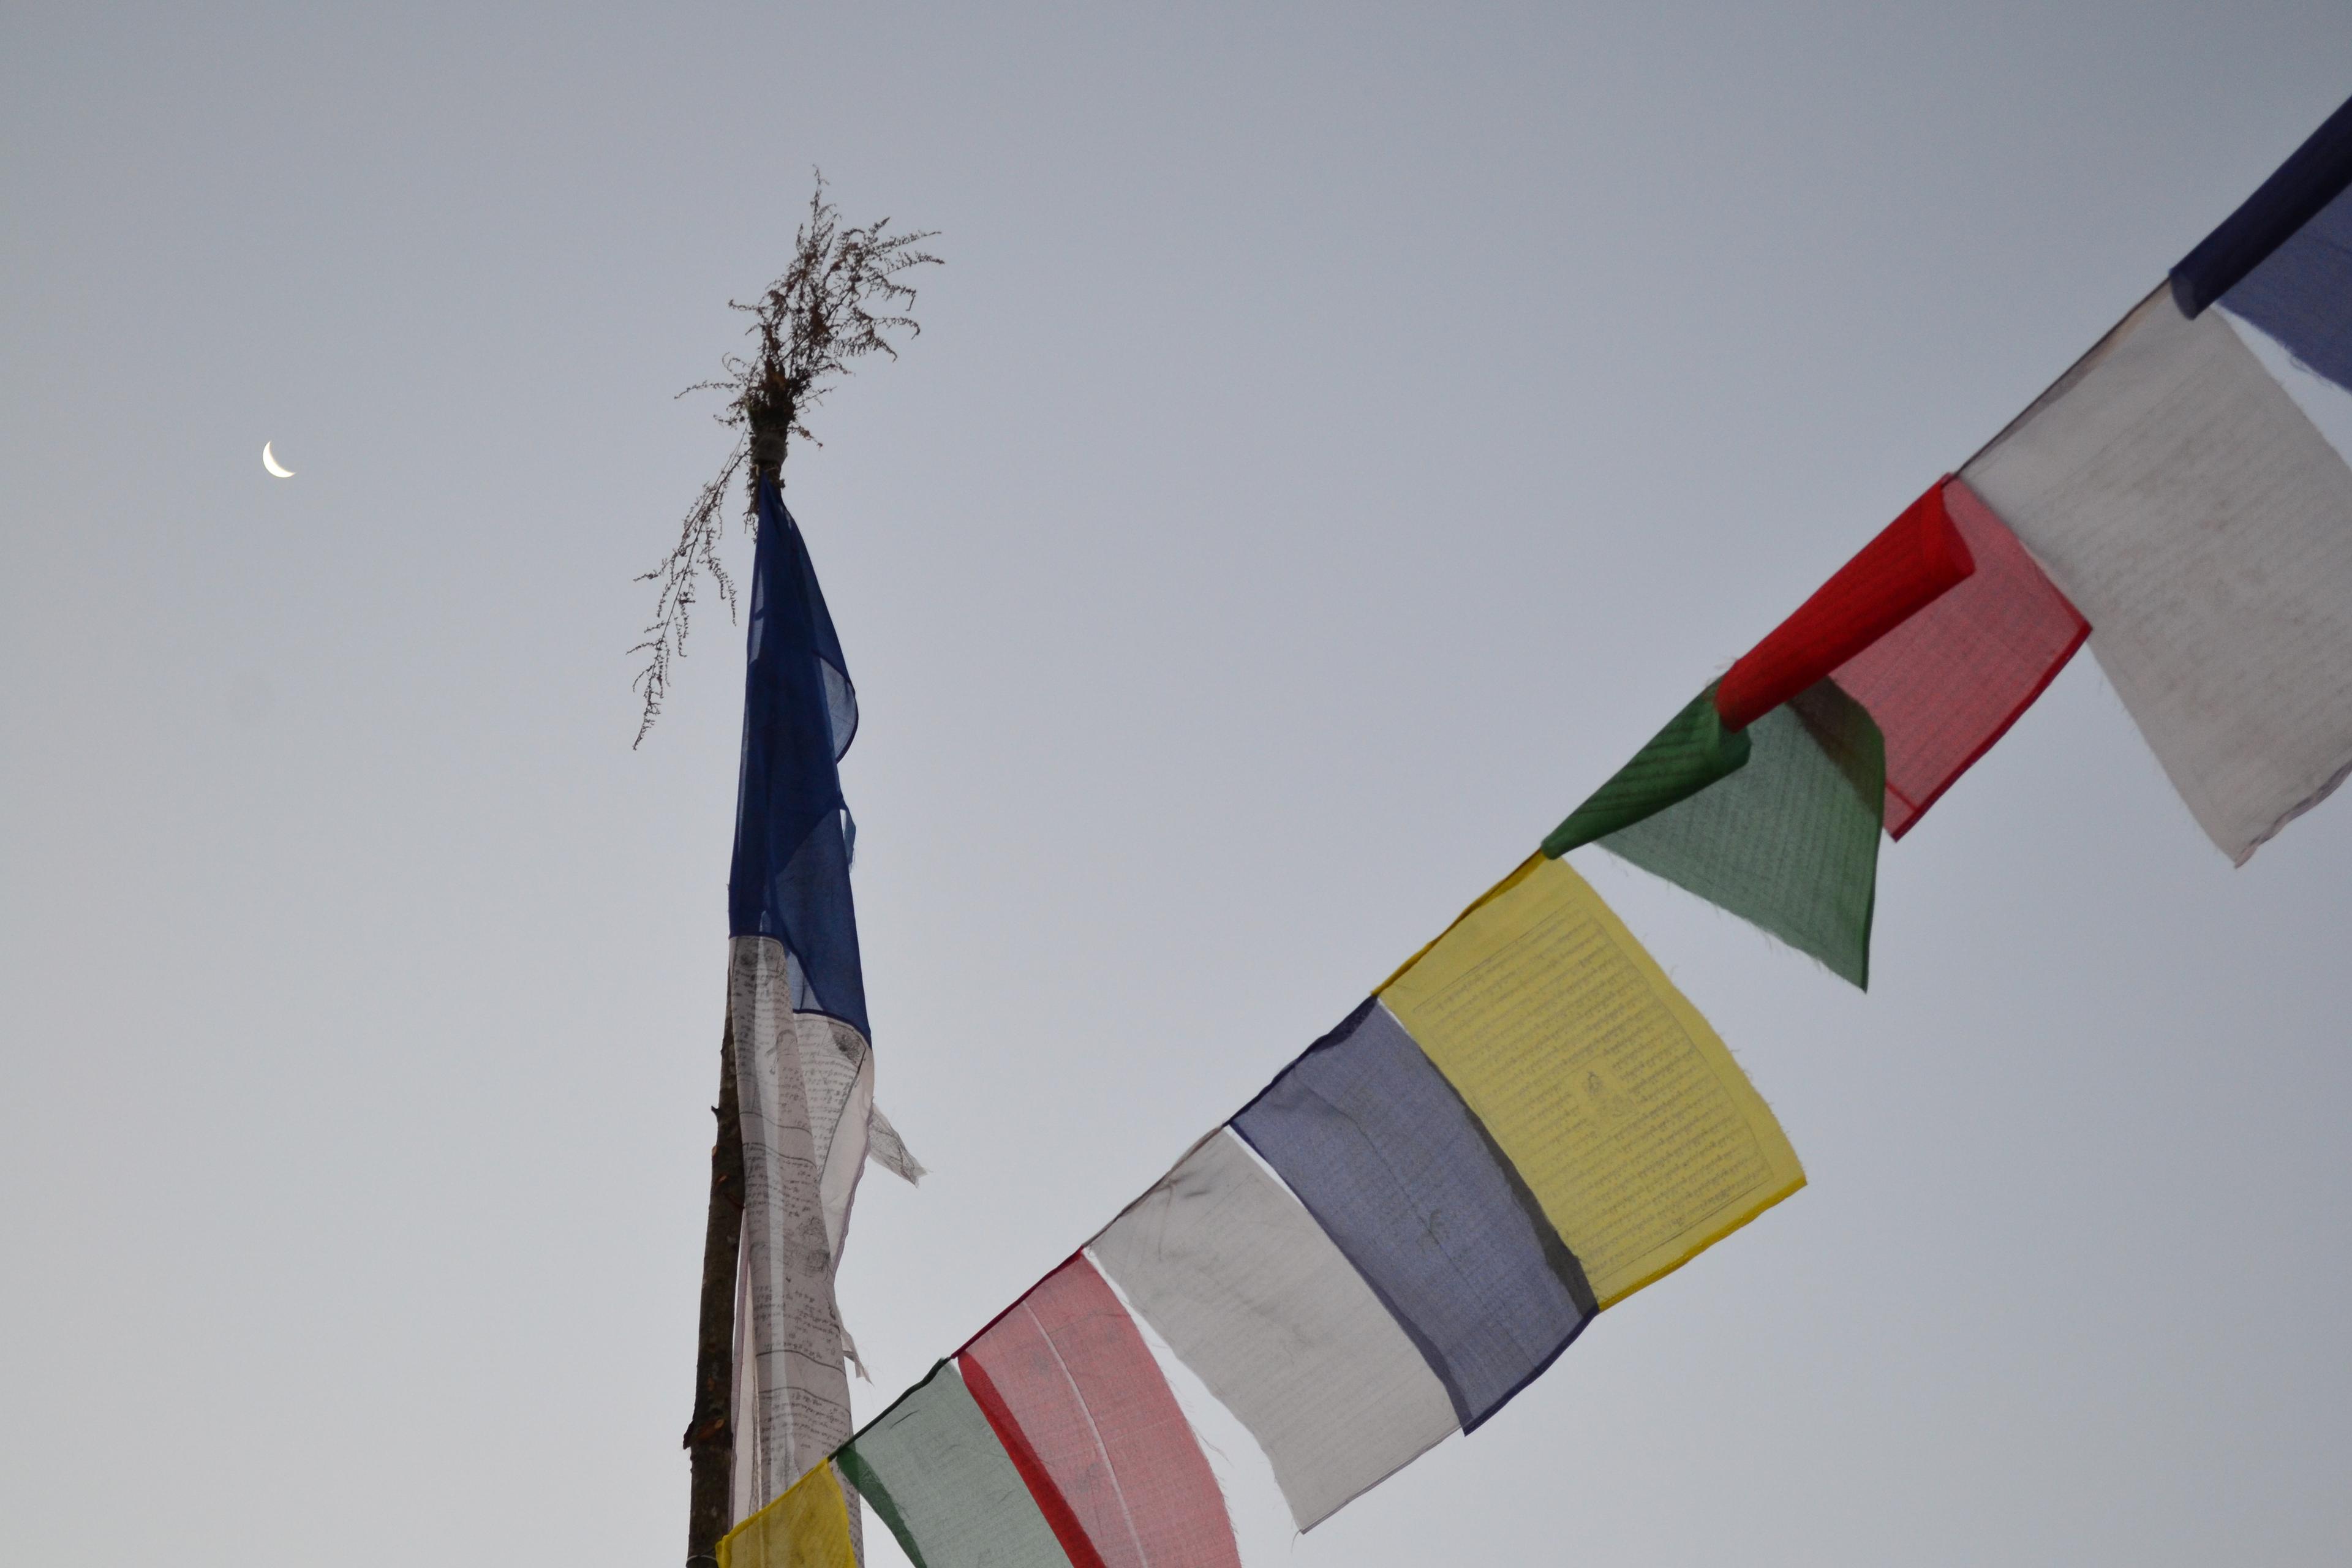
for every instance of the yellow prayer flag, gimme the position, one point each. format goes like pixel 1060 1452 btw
pixel 808 1527
pixel 1625 1115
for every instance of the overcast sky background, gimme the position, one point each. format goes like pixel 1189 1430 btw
pixel 1340 436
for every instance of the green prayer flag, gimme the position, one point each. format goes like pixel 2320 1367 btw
pixel 1790 841
pixel 933 1470
pixel 1691 753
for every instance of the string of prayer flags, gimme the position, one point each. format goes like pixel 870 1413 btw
pixel 1693 751
pixel 806 1527
pixel 1091 1425
pixel 1766 794
pixel 1940 632
pixel 1790 842
pixel 1942 626
pixel 1233 1273
pixel 933 1470
pixel 1528 1122
pixel 2182 499
pixel 1947 683
pixel 1403 1179
pixel 1613 1102
pixel 2179 492
pixel 1913 561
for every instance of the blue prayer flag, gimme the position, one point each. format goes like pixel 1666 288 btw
pixel 2315 175
pixel 792 828
pixel 1405 1181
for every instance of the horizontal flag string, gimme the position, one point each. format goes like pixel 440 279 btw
pixel 1419 1207
pixel 1528 1122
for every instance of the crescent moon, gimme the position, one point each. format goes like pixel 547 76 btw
pixel 270 462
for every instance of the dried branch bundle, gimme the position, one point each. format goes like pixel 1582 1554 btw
pixel 840 301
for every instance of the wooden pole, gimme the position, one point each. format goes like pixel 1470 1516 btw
pixel 710 1435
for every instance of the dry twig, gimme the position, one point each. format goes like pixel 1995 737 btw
pixel 839 301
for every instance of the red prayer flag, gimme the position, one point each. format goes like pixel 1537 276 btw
pixel 1950 681
pixel 1915 558
pixel 1091 1423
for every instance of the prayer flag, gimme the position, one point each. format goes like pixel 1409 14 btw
pixel 1950 681
pixel 1693 751
pixel 1913 561
pixel 1092 1425
pixel 1613 1102
pixel 807 1527
pixel 2302 293
pixel 1405 1181
pixel 1231 1271
pixel 2182 499
pixel 2312 177
pixel 1790 841
pixel 2180 492
pixel 933 1470
pixel 796 1009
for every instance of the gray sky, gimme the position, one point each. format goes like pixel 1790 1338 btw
pixel 1340 436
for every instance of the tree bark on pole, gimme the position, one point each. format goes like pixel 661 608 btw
pixel 710 1435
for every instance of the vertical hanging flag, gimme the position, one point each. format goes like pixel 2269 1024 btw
pixel 797 1002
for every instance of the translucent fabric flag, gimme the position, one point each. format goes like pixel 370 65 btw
pixel 2302 294
pixel 1229 1269
pixel 933 1470
pixel 1915 560
pixel 1790 841
pixel 1691 753
pixel 1614 1101
pixel 789 1342
pixel 1942 626
pixel 1404 1180
pixel 790 880
pixel 796 1007
pixel 1950 681
pixel 807 1527
pixel 2312 177
pixel 1091 1423
pixel 2185 503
